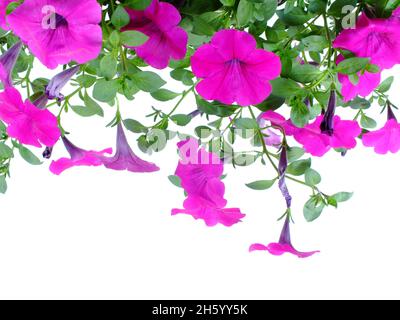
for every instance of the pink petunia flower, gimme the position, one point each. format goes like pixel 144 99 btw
pixel 283 246
pixel 125 159
pixel 3 10
pixel 7 63
pixel 26 123
pixel 58 31
pixel 200 173
pixel 368 82
pixel 79 157
pixel 234 70
pixel 317 143
pixel 385 139
pixel 166 40
pixel 279 121
pixel 377 39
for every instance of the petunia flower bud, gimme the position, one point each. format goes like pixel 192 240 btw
pixel 328 121
pixel 283 163
pixel 57 83
pixel 7 63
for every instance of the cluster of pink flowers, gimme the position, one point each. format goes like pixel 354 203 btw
pixel 231 68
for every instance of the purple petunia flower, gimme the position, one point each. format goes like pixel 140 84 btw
pixel 58 31
pixel 78 157
pixel 7 63
pixel 27 123
pixel 125 158
pixel 57 83
pixel 377 39
pixel 234 70
pixel 166 40
pixel 283 246
pixel 200 174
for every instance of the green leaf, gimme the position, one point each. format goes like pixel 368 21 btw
pixel 86 81
pixel 5 151
pixel 134 126
pixel 148 81
pixel 3 184
pixel 304 73
pixel 108 67
pixel 300 115
pixel 181 119
pixel 342 196
pixel 313 209
pixel 138 4
pixel 164 95
pixel 312 177
pixel 386 85
pixel 215 108
pixel 315 43
pixel 175 180
pixel 295 153
pixel 317 6
pixel 228 3
pixel 105 91
pixel 203 132
pixel 120 17
pixel 367 122
pixel 294 17
pixel 246 123
pixel 336 9
pixel 244 12
pixel 299 167
pixel 261 184
pixel 93 106
pixel 28 156
pixel 133 38
pixel 352 65
pixel 285 88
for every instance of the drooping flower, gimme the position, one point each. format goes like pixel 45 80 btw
pixel 166 40
pixel 317 143
pixel 26 123
pixel 58 82
pixel 279 121
pixel 78 157
pixel 377 39
pixel 386 139
pixel 200 174
pixel 7 64
pixel 283 246
pixel 367 83
pixel 125 159
pixel 234 70
pixel 58 31
pixel 3 8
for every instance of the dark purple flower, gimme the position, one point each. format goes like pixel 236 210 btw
pixel 327 124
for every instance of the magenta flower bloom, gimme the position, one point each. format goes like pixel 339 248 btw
pixel 278 120
pixel 7 63
pixel 58 31
pixel 166 39
pixel 200 173
pixel 26 123
pixel 367 84
pixel 384 140
pixel 234 70
pixel 125 159
pixel 3 10
pixel 283 246
pixel 317 143
pixel 377 39
pixel 79 157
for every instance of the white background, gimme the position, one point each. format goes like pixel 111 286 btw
pixel 94 233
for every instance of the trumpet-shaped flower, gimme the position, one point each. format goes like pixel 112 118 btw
pixel 58 31
pixel 78 157
pixel 125 159
pixel 200 174
pixel 234 70
pixel 27 123
pixel 166 40
pixel 7 63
